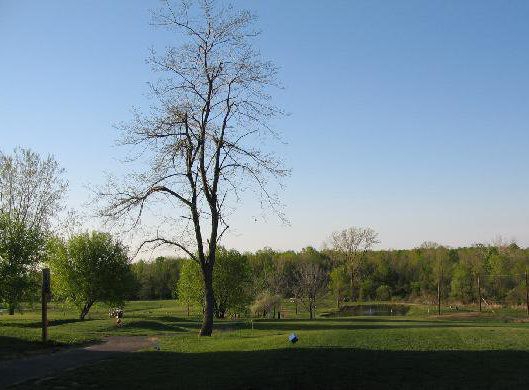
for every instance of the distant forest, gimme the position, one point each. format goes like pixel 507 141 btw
pixel 411 275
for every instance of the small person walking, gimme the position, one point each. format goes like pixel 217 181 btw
pixel 117 313
pixel 119 316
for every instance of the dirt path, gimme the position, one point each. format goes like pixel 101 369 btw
pixel 21 370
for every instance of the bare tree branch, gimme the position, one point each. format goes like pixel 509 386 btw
pixel 197 142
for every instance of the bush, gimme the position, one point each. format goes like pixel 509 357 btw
pixel 383 293
pixel 367 290
pixel 415 288
pixel 265 304
pixel 515 297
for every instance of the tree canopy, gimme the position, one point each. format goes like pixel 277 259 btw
pixel 89 268
pixel 232 283
pixel 31 188
pixel 20 252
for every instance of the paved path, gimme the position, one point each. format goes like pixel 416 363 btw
pixel 49 365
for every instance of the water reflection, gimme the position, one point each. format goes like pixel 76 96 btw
pixel 370 310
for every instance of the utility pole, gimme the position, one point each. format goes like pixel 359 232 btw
pixel 439 296
pixel 46 294
pixel 526 292
pixel 479 294
pixel 440 268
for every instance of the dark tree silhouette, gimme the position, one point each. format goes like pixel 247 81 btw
pixel 203 135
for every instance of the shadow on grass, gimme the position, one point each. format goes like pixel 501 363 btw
pixel 371 319
pixel 167 323
pixel 51 323
pixel 154 326
pixel 298 368
pixel 12 347
pixel 196 323
pixel 190 320
pixel 65 321
pixel 352 325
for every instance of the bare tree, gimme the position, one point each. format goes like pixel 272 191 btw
pixel 353 243
pixel 438 256
pixel 313 283
pixel 203 136
pixel 478 263
pixel 31 188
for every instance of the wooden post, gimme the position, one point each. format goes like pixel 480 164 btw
pixel 479 294
pixel 46 290
pixel 526 292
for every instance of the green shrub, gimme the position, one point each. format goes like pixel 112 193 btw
pixel 383 293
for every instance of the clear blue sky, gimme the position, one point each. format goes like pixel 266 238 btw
pixel 411 117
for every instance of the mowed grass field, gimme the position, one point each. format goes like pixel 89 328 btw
pixel 458 350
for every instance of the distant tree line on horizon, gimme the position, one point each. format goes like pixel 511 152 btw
pixel 408 275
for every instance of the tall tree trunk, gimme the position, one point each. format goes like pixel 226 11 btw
pixel 85 310
pixel 11 309
pixel 207 320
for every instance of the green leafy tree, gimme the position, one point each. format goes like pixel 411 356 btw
pixel 156 279
pixel 190 289
pixel 20 252
pixel 231 283
pixel 339 284
pixel 466 274
pixel 383 292
pixel 89 268
pixel 30 191
pixel 262 265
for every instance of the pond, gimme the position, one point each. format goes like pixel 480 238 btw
pixel 370 310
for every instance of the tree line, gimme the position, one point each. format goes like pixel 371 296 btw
pixel 257 283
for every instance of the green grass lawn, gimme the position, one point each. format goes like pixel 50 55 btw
pixel 413 351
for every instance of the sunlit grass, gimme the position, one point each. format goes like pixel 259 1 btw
pixel 255 352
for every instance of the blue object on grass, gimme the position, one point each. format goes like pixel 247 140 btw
pixel 293 338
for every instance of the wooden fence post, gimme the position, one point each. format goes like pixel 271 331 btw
pixel 46 291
